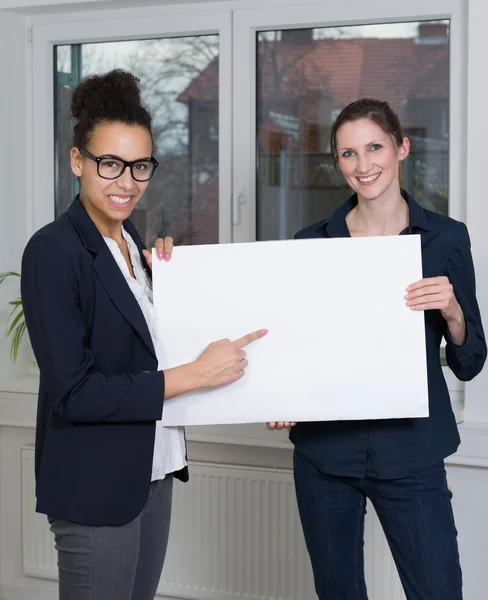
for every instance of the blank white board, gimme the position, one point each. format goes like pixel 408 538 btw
pixel 341 345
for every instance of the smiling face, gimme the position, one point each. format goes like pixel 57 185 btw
pixel 109 202
pixel 368 158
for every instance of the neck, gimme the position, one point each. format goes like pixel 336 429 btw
pixel 107 227
pixel 387 215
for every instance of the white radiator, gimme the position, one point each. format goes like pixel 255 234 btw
pixel 38 554
pixel 235 534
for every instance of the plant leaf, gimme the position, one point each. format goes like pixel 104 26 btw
pixel 5 274
pixel 14 310
pixel 15 323
pixel 14 348
pixel 16 303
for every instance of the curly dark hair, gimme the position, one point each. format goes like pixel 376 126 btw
pixel 113 97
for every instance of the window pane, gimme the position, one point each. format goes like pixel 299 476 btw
pixel 179 84
pixel 305 78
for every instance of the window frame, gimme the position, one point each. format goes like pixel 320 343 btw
pixel 47 36
pixel 237 25
pixel 248 22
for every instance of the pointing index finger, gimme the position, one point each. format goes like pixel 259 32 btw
pixel 250 337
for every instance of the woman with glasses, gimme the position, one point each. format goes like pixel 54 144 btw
pixel 104 462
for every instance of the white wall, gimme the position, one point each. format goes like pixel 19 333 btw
pixel 13 167
pixel 13 158
pixel 41 6
pixel 477 207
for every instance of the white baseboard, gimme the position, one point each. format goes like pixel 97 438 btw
pixel 10 592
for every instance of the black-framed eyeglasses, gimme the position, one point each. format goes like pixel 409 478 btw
pixel 112 167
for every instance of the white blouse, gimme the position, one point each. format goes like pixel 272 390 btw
pixel 169 443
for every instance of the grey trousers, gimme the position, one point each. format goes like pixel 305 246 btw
pixel 115 563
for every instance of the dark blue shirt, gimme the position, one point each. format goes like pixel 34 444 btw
pixel 393 448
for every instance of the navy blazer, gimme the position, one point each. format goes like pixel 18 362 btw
pixel 392 448
pixel 100 392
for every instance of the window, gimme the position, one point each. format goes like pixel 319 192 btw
pixel 306 76
pixel 255 197
pixel 180 85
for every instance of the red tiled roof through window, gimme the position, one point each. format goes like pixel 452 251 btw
pixel 388 71
pixel 300 87
pixel 205 86
pixel 430 80
pixel 348 69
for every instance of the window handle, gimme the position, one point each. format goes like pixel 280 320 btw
pixel 238 199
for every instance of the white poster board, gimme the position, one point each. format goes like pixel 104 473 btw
pixel 342 344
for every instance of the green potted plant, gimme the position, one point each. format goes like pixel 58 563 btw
pixel 16 323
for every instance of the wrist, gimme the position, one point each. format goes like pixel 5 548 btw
pixel 457 318
pixel 457 329
pixel 193 376
pixel 181 380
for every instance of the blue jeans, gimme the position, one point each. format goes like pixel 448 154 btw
pixel 415 513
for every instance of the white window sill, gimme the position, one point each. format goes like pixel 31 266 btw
pixel 21 384
pixel 18 402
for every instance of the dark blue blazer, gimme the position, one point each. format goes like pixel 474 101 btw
pixel 393 448
pixel 100 392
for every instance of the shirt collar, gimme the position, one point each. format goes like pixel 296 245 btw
pixel 419 218
pixel 336 223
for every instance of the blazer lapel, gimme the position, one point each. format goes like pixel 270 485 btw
pixel 109 272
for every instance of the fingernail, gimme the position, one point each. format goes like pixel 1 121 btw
pixel 264 331
pixel 160 255
pixel 408 289
pixel 166 257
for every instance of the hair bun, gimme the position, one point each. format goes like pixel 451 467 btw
pixel 98 93
pixel 113 97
